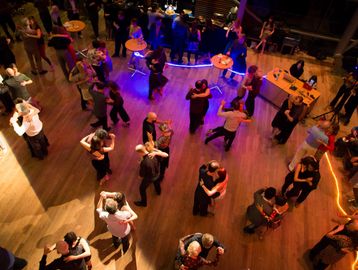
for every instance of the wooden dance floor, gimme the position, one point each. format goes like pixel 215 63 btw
pixel 42 200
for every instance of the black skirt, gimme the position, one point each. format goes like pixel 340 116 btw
pixel 37 144
pixel 157 80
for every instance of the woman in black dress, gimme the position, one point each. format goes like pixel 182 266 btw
pixel 287 118
pixel 304 178
pixel 95 144
pixel 156 61
pixel 296 70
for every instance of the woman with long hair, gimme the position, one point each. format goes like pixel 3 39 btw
pixel 156 61
pixel 296 70
pixel 83 75
pixel 287 118
pixel 267 30
pixel 304 178
pixel 94 143
pixel 29 38
pixel 233 33
pixel 40 40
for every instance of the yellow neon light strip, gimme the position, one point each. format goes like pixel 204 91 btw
pixel 338 201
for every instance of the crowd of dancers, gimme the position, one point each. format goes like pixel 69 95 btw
pixel 91 74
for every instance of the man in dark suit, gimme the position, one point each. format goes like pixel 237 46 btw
pixel 263 204
pixel 149 171
pixel 93 6
pixel 207 173
pixel 100 105
pixel 60 263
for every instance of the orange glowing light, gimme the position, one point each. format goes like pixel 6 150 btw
pixel 338 201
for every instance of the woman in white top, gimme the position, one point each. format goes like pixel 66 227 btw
pixel 123 205
pixel 30 127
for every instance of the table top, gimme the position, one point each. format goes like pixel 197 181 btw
pixel 136 45
pixel 222 61
pixel 74 26
pixel 292 88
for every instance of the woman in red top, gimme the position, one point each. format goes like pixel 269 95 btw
pixel 323 148
pixel 192 261
pixel 40 40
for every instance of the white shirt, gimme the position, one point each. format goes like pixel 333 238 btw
pixel 30 125
pixel 114 222
pixel 233 119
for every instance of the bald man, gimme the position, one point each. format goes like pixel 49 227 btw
pixel 316 137
pixel 149 126
pixel 17 82
pixel 61 263
pixel 149 171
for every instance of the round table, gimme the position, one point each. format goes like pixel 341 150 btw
pixel 221 62
pixel 74 26
pixel 136 45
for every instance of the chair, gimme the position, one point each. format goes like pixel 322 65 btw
pixel 291 43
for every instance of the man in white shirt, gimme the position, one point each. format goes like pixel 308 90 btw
pixel 30 128
pixel 117 221
pixel 232 123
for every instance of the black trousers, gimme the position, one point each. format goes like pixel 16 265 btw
pixel 7 21
pixel 19 263
pixel 321 245
pixel 221 131
pixel 350 107
pixel 124 240
pixel 38 144
pixel 145 184
pixel 200 204
pixel 195 121
pixel 102 166
pixel 100 72
pixel 93 17
pixel 342 95
pixel 46 21
pixel 178 48
pixel 297 190
pixel 250 103
pixel 7 101
pixel 119 41
pixel 102 121
pixel 164 164
pixel 122 113
pixel 83 102
pixel 196 55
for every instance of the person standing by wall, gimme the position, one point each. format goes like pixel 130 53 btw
pixel 42 7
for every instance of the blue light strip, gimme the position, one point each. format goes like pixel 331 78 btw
pixel 137 54
pixel 238 73
pixel 189 66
